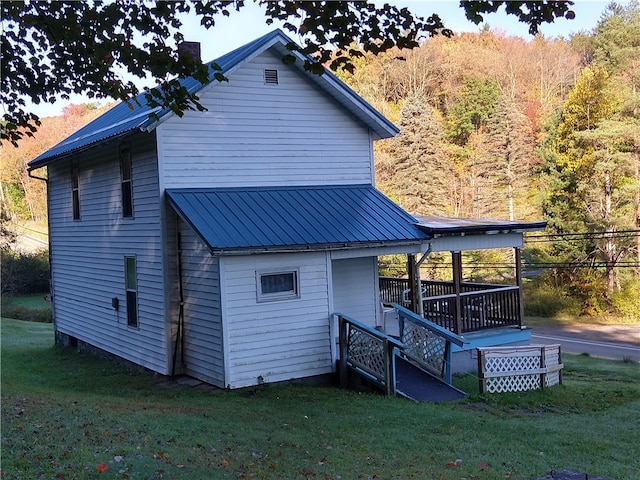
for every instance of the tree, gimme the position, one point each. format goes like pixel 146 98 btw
pixel 23 197
pixel 422 176
pixel 510 143
pixel 476 102
pixel 617 48
pixel 591 179
pixel 609 192
pixel 53 49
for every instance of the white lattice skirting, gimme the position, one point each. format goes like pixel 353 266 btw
pixel 519 368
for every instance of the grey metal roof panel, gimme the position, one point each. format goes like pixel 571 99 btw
pixel 294 218
pixel 127 117
pixel 436 225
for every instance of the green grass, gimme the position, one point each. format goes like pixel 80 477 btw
pixel 34 307
pixel 34 301
pixel 65 413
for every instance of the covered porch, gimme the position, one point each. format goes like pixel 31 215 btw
pixel 460 306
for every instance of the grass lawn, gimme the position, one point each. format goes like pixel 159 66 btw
pixel 70 416
pixel 35 301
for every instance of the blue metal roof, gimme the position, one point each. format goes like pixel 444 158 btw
pixel 125 118
pixel 307 218
pixel 436 225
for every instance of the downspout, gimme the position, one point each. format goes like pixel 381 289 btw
pixel 419 281
pixel 53 310
pixel 179 332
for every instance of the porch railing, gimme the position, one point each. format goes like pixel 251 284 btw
pixel 482 306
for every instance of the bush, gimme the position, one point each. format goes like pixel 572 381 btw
pixel 627 302
pixel 543 299
pixel 24 273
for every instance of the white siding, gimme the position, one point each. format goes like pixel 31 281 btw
pixel 264 135
pixel 354 289
pixel 88 254
pixel 278 340
pixel 203 345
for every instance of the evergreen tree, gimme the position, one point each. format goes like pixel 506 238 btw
pixel 510 143
pixel 476 102
pixel 422 177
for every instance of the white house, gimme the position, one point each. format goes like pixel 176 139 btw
pixel 219 244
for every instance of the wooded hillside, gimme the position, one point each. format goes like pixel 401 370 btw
pixel 491 126
pixel 498 126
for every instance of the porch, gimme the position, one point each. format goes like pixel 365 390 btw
pixel 460 306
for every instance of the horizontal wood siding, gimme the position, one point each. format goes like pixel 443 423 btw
pixel 256 134
pixel 277 340
pixel 354 288
pixel 88 254
pixel 203 347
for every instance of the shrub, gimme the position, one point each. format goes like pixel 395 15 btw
pixel 543 299
pixel 627 302
pixel 24 273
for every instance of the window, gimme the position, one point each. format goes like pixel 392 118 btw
pixel 278 286
pixel 131 286
pixel 75 189
pixel 127 189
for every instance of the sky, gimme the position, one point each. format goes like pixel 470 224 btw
pixel 248 24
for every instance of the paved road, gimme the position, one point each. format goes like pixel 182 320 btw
pixel 605 341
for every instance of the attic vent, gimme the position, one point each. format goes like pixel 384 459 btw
pixel 270 77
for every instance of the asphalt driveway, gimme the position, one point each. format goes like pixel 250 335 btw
pixel 616 342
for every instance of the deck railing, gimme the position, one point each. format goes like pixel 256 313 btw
pixel 482 306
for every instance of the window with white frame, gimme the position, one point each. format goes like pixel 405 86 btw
pixel 280 285
pixel 131 287
pixel 75 189
pixel 127 188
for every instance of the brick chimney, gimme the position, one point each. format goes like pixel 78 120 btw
pixel 190 48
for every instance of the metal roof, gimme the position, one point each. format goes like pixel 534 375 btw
pixel 125 117
pixel 436 225
pixel 309 218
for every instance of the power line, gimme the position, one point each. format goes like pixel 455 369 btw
pixel 555 237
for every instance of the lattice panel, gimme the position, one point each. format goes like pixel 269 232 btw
pixel 366 352
pixel 519 383
pixel 511 363
pixel 517 369
pixel 425 347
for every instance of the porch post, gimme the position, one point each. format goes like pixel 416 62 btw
pixel 518 258
pixel 411 270
pixel 456 262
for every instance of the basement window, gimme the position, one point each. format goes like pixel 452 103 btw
pixel 278 285
pixel 270 76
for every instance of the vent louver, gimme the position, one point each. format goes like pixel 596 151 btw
pixel 271 77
